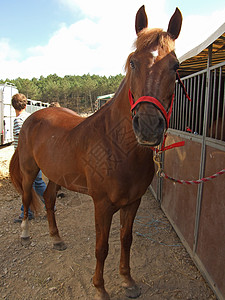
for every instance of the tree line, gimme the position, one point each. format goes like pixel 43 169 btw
pixel 72 91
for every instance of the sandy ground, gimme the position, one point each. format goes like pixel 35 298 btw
pixel 159 262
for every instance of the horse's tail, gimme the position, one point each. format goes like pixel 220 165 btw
pixel 16 178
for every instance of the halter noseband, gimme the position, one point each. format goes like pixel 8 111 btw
pixel 153 101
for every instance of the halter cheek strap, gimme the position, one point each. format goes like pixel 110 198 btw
pixel 153 101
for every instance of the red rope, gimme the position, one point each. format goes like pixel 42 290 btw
pixel 185 91
pixel 162 174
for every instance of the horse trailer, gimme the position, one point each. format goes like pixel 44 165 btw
pixel 191 187
pixel 7 112
pixel 101 100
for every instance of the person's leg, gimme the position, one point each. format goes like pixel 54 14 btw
pixel 39 185
pixel 20 218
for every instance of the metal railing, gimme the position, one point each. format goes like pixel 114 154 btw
pixel 189 116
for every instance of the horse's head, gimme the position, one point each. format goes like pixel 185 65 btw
pixel 151 72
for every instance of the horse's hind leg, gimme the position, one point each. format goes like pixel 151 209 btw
pixel 27 183
pixel 26 199
pixel 50 198
pixel 127 215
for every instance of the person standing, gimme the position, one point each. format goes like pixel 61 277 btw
pixel 19 103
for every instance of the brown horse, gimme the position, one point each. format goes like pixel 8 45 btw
pixel 104 155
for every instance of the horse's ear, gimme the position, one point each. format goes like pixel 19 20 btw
pixel 141 20
pixel 175 23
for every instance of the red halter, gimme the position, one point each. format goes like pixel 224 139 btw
pixel 155 102
pixel 166 115
pixel 160 107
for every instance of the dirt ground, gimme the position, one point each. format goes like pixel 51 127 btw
pixel 159 262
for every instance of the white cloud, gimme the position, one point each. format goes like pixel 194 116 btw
pixel 6 52
pixel 196 29
pixel 100 42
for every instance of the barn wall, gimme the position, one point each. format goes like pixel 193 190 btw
pixel 211 235
pixel 197 212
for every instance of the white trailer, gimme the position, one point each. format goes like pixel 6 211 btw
pixel 7 112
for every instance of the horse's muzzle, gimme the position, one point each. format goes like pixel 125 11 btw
pixel 149 129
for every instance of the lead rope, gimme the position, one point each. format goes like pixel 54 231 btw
pixel 160 173
pixel 157 160
pixel 193 181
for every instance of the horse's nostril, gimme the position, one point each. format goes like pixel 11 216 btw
pixel 148 128
pixel 136 122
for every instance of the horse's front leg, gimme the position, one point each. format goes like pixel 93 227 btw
pixel 103 219
pixel 50 198
pixel 127 215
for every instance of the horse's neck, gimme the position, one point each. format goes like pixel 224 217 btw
pixel 120 107
pixel 112 122
pixel 118 122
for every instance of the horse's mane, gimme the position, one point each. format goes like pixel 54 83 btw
pixel 152 39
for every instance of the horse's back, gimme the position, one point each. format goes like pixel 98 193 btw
pixel 52 123
pixel 57 116
pixel 52 118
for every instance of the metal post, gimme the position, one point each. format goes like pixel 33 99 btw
pixel 203 152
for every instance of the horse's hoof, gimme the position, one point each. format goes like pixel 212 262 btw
pixel 102 296
pixel 133 292
pixel 25 241
pixel 59 246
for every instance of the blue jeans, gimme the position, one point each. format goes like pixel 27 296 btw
pixel 39 187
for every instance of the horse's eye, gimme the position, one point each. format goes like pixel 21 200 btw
pixel 132 65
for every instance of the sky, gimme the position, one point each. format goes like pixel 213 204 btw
pixel 76 37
